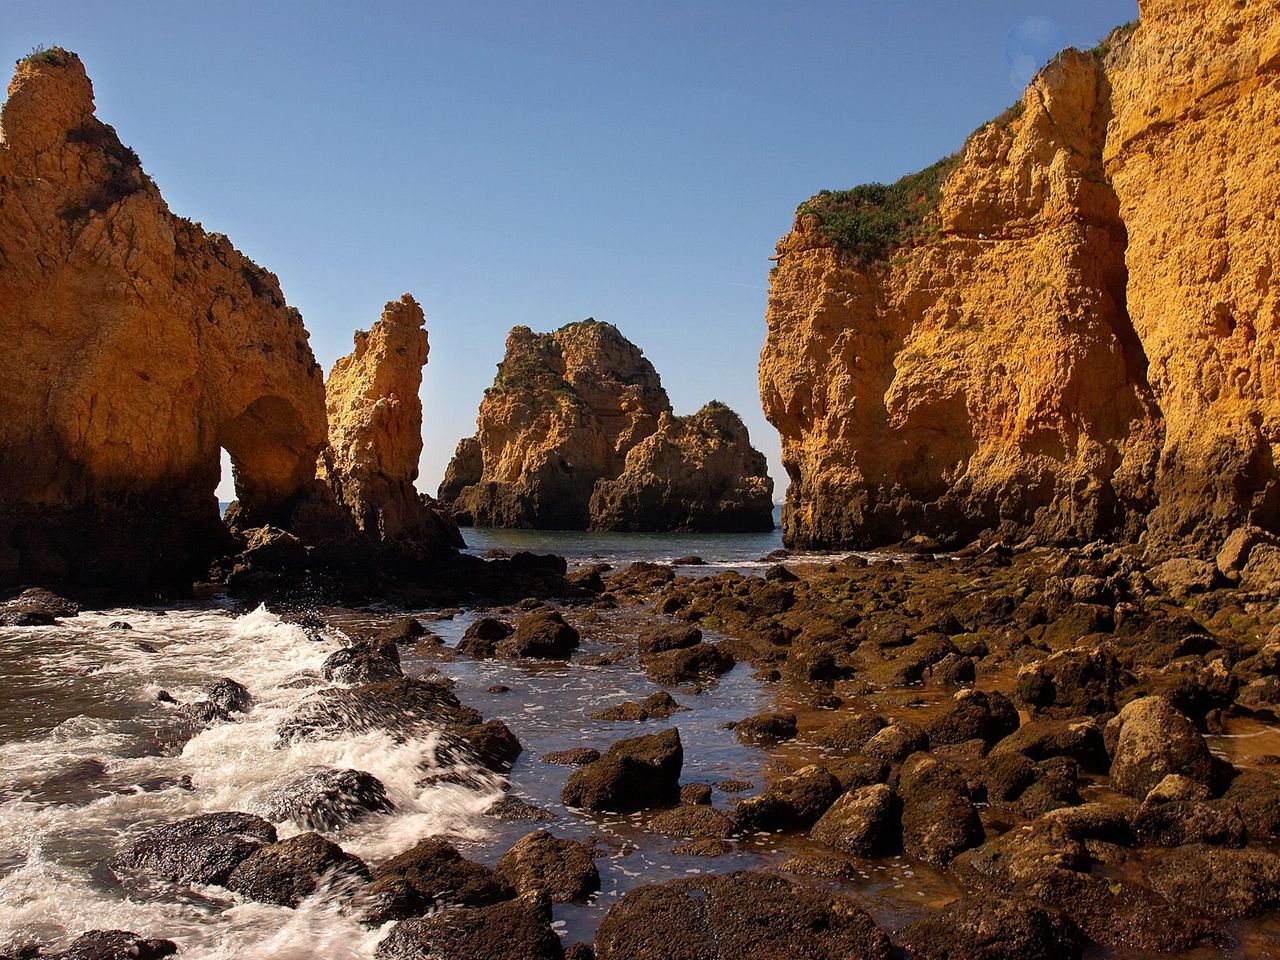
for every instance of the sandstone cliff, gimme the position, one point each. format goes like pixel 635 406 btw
pixel 1069 328
pixel 135 345
pixel 577 432
pixel 375 431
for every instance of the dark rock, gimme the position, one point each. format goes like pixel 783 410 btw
pixel 849 733
pixel 44 602
pixel 513 930
pixel 738 915
pixel 1072 683
pixel 427 876
pixel 1222 883
pixel 1149 739
pixel 897 742
pixel 401 707
pixel 326 799
pixel 766 729
pixel 660 705
pixel 113 945
pixel 230 696
pixel 490 744
pixel 1256 796
pixel 693 823
pixel 365 663
pixel 666 637
pixel 513 808
pixel 689 561
pixel 791 802
pixel 864 822
pixel 575 757
pixel 635 774
pixel 858 771
pixel 938 819
pixel 541 635
pixel 1081 740
pixel 199 850
pixel 482 637
pixel 974 715
pixel 402 630
pixel 541 863
pixel 695 794
pixel 14 614
pixel 993 928
pixel 119 625
pixel 703 661
pixel 288 872
pixel 1180 822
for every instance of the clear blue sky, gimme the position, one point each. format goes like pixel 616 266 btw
pixel 537 163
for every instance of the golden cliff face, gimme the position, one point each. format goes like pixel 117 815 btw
pixel 375 428
pixel 136 345
pixel 1078 340
pixel 571 434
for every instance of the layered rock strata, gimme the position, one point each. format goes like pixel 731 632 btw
pixel 577 432
pixel 375 431
pixel 1069 329
pixel 136 345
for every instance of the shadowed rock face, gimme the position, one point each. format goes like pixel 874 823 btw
pixel 1078 339
pixel 375 430
pixel 136 345
pixel 577 432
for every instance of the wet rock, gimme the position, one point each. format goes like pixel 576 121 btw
pixel 481 638
pixel 706 847
pixel 364 663
pixel 938 819
pixel 113 945
pixel 574 757
pixel 766 729
pixel 666 637
pixel 849 733
pixel 634 774
pixel 1099 820
pixel 695 794
pixel 974 715
pixel 513 930
pixel 541 863
pixel 119 625
pixel 36 607
pixel 401 707
pixel 1175 823
pixel 199 850
pixel 490 744
pixel 858 771
pixel 705 661
pixel 231 696
pixel 743 915
pixel 287 872
pixel 1055 784
pixel 1256 796
pixel 1223 883
pixel 693 823
pixel 656 706
pixel 540 635
pixel 1072 683
pixel 791 802
pixel 864 822
pixel 326 799
pixel 993 928
pixel 1149 739
pixel 897 742
pixel 513 808
pixel 734 786
pixel 426 876
pixel 402 630
pixel 16 615
pixel 1081 740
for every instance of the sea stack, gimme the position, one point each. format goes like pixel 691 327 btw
pixel 577 433
pixel 375 431
pixel 1069 329
pixel 136 345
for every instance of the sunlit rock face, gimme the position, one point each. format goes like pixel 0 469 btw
pixel 136 345
pixel 1073 332
pixel 577 433
pixel 375 430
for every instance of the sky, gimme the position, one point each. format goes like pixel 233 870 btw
pixel 538 163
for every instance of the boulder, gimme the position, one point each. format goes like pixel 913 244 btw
pixel 325 799
pixel 666 637
pixel 1184 576
pixel 705 661
pixel 864 822
pixel 1220 882
pixel 1072 683
pixel 512 930
pixel 1149 739
pixel 766 729
pixel 204 849
pixel 1175 823
pixel 938 818
pixel 634 774
pixel 574 757
pixel 993 928
pixel 849 734
pixel 430 875
pixel 737 915
pixel 660 705
pixel 540 863
pixel 697 822
pixel 1081 740
pixel 364 663
pixel 230 696
pixel 288 872
pixel 110 945
pixel 791 802
pixel 482 636
pixel 974 715
pixel 541 635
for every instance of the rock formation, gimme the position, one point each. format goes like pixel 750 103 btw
pixel 375 431
pixel 136 344
pixel 577 432
pixel 1069 329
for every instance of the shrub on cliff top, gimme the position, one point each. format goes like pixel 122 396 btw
pixel 53 56
pixel 869 221
pixel 1115 39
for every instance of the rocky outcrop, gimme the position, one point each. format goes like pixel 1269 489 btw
pixel 1069 329
pixel 136 345
pixel 577 432
pixel 375 431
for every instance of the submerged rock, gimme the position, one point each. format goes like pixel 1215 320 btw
pixel 287 872
pixel 199 850
pixel 110 945
pixel 326 799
